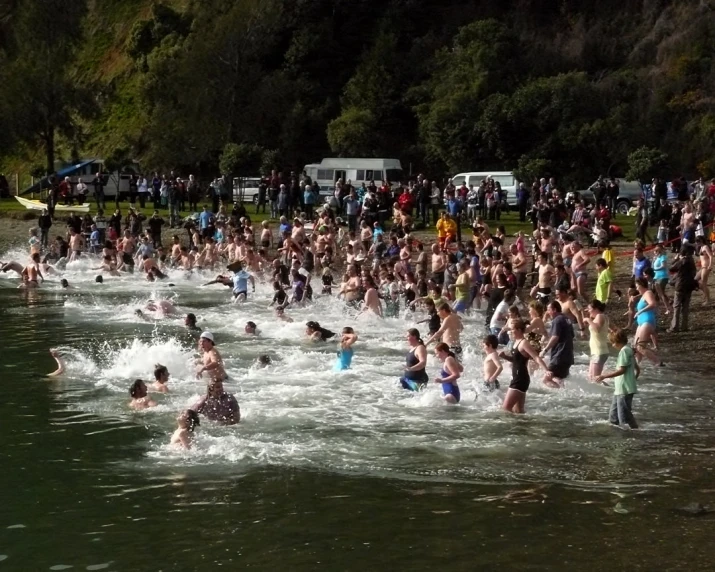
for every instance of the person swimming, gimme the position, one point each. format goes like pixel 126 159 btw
pixel 317 333
pixel 187 422
pixel 415 376
pixel 345 349
pixel 140 396
pixel 451 372
pixel 263 360
pixel 161 377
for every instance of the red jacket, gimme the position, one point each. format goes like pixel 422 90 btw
pixel 405 201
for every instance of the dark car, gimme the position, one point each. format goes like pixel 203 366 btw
pixel 629 192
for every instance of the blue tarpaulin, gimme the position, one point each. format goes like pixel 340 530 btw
pixel 44 183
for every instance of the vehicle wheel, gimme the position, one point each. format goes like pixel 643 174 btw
pixel 622 207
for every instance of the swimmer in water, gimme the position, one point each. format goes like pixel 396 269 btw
pixel 98 279
pixel 281 315
pixel 161 377
pixel 65 285
pixel 263 360
pixel 449 330
pixel 345 349
pixel 251 328
pixel 190 322
pixel 211 360
pixel 161 308
pixel 451 372
pixel 187 422
pixel 140 397
pixel 317 333
pixel 60 363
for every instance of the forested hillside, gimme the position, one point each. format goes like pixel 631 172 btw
pixel 565 88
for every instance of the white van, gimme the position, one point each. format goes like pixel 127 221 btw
pixel 87 169
pixel 357 171
pixel 506 179
pixel 248 187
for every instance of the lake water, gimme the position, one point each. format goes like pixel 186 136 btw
pixel 334 471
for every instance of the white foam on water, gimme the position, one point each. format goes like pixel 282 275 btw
pixel 298 412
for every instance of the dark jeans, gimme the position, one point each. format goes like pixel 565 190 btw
pixel 620 412
pixel 458 219
pixel 157 200
pixel 44 234
pixel 612 206
pixel 352 222
pixel 523 205
pixel 261 206
pixel 435 214
pixel 308 211
pixel 98 198
pixel 142 200
pixel 424 213
pixel 681 310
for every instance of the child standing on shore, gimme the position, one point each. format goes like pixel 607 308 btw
pixel 625 385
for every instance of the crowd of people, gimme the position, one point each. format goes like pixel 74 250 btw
pixel 533 291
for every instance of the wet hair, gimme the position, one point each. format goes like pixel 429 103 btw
pixel 618 337
pixel 99 279
pixel 348 330
pixel 442 347
pixel 555 305
pixel 159 371
pixel 313 325
pixel 264 359
pixel 491 340
pixel 444 307
pixel 598 305
pixel 251 324
pixel 191 318
pixel 415 333
pixel 64 283
pixel 136 388
pixel 193 419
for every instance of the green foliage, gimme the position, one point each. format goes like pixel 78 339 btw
pixel 353 133
pixel 645 163
pixel 241 159
pixel 548 90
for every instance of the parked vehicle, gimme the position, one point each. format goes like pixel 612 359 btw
pixel 629 192
pixel 357 171
pixel 506 179
pixel 87 169
pixel 246 188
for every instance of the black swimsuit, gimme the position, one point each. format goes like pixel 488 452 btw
pixel 520 378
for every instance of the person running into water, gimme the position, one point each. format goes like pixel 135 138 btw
pixel 187 422
pixel 646 322
pixel 624 377
pixel 449 330
pixel 598 325
pixel 241 278
pixel 492 366
pixel 211 361
pixel 451 372
pixel 415 376
pixel 559 347
pixel 521 351
pixel 345 349
pixel 140 396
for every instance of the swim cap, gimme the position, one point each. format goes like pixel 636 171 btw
pixel 208 336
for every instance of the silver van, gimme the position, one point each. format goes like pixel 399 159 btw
pixel 506 180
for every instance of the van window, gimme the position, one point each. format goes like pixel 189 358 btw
pixel 504 180
pixel 377 175
pixel 340 174
pixel 459 181
pixel 475 180
pixel 360 175
pixel 325 174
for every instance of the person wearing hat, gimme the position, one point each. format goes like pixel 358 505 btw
pixel 211 361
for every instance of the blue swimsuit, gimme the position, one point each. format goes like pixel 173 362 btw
pixel 450 388
pixel 344 359
pixel 647 317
